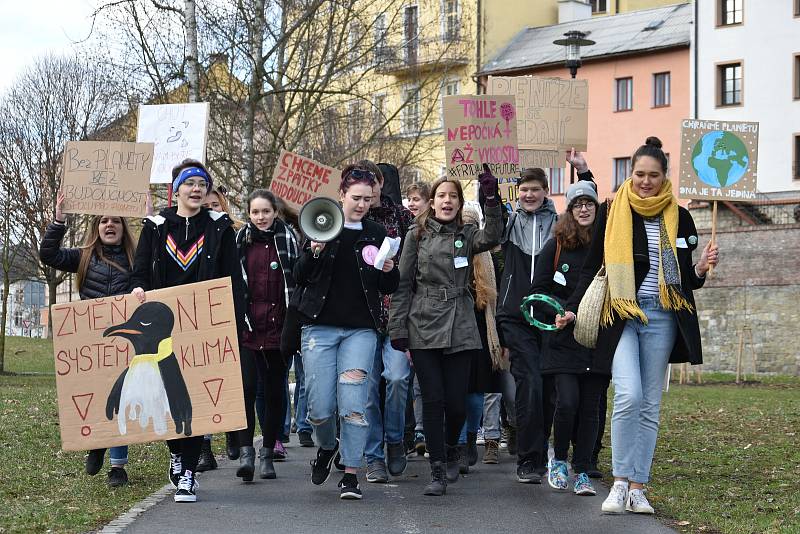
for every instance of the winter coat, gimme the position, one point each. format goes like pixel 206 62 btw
pixel 433 307
pixel 687 343
pixel 517 245
pixel 396 220
pixel 218 259
pixel 259 312
pixel 560 352
pixel 102 279
pixel 313 275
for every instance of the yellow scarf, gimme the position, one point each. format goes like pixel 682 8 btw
pixel 164 350
pixel 621 297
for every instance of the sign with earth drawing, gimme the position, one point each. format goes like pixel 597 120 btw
pixel 719 160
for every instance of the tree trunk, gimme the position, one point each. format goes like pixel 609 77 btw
pixel 192 62
pixel 254 93
pixel 52 288
pixel 3 317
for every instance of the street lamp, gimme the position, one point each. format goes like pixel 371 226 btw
pixel 572 44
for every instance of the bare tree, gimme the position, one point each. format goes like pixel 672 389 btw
pixel 57 99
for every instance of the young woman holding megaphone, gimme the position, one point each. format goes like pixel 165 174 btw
pixel 432 313
pixel 339 306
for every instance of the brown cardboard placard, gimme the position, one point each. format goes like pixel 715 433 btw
pixel 106 177
pixel 297 179
pixel 719 160
pixel 480 129
pixel 132 373
pixel 553 113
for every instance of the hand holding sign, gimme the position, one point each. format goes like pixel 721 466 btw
pixel 708 259
pixel 488 183
pixel 59 203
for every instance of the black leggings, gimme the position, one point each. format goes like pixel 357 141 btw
pixel 443 381
pixel 578 396
pixel 270 366
pixel 189 449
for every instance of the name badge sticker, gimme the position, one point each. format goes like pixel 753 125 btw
pixel 460 262
pixel 559 278
pixel 681 243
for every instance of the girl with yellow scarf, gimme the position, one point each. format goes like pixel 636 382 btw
pixel 646 240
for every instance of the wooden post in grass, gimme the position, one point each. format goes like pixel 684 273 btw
pixel 713 234
pixel 740 374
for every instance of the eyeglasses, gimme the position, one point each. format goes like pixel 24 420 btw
pixel 580 205
pixel 200 184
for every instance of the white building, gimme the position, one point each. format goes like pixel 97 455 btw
pixel 746 64
pixel 27 299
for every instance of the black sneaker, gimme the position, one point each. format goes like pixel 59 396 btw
pixel 175 469
pixel 94 461
pixel 321 466
pixel 304 436
pixel 527 473
pixel 117 477
pixel 187 488
pixel 349 487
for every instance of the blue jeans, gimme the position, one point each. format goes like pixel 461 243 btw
pixel 393 366
pixel 491 415
pixel 287 422
pixel 640 363
pixel 337 363
pixel 118 455
pixel 474 414
pixel 300 407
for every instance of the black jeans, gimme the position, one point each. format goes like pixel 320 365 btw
pixel 523 342
pixel 269 366
pixel 189 449
pixel 443 381
pixel 578 397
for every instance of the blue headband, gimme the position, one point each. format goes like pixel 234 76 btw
pixel 188 173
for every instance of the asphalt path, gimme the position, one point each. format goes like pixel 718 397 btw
pixel 488 499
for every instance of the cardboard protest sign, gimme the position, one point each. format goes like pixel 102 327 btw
pixel 106 177
pixel 553 113
pixel 719 160
pixel 131 373
pixel 297 179
pixel 480 129
pixel 179 131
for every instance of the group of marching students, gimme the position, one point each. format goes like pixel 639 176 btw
pixel 436 337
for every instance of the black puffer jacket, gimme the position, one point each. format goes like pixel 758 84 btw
pixel 102 279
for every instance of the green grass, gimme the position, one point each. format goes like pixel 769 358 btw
pixel 43 488
pixel 728 456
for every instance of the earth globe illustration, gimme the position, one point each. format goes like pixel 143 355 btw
pixel 720 159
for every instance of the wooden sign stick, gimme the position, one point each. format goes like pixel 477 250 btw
pixel 713 234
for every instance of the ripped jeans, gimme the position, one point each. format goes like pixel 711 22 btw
pixel 337 363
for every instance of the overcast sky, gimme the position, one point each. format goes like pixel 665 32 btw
pixel 29 28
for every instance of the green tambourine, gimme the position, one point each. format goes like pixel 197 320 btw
pixel 526 303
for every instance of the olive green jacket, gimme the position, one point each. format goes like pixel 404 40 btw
pixel 433 307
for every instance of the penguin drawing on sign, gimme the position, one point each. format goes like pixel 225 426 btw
pixel 152 387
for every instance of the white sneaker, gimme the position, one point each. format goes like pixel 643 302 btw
pixel 615 502
pixel 637 502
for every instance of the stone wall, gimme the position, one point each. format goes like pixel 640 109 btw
pixel 757 283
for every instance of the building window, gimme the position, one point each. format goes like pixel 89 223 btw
pixel 599 6
pixel 556 181
pixel 797 75
pixel 411 31
pixel 796 159
pixel 729 12
pixel 378 111
pixel 450 88
pixel 797 8
pixel 730 84
pixel 355 121
pixel 661 88
pixel 354 39
pixel 381 49
pixel 411 110
pixel 622 170
pixel 451 20
pixel 624 94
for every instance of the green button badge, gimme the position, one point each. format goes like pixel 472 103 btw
pixel 273 265
pixel 565 267
pixel 459 243
pixel 692 239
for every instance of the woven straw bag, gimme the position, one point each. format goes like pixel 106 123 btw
pixel 587 322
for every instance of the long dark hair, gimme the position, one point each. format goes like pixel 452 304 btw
pixel 569 233
pixel 422 218
pixel 92 246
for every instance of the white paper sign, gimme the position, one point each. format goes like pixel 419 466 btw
pixel 179 131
